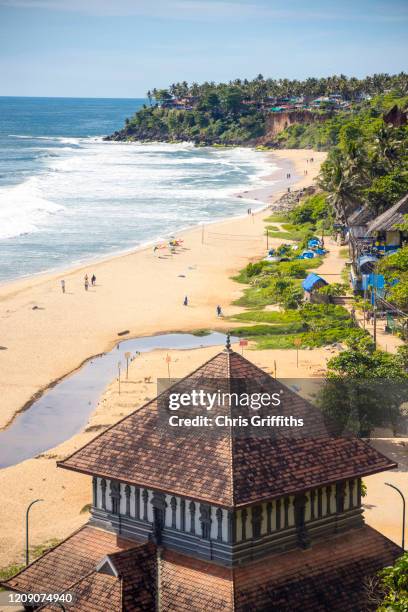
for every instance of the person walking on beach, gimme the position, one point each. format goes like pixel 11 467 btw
pixel 185 302
pixel 86 282
pixel 63 285
pixel 93 280
pixel 219 311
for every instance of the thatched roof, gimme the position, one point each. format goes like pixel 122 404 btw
pixel 359 217
pixel 390 218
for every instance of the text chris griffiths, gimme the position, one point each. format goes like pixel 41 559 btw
pixel 227 421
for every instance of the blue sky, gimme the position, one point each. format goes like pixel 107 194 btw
pixel 121 48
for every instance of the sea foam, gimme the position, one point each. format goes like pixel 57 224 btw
pixel 87 197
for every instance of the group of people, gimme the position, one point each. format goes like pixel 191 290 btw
pixel 288 175
pixel 86 282
pixel 218 309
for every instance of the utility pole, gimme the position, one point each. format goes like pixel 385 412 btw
pixel 27 544
pixel 403 512
pixel 374 297
pixel 127 357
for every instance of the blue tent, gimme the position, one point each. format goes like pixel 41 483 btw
pixel 367 263
pixel 312 280
pixel 308 255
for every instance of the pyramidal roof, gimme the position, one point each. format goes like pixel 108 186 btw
pixel 229 467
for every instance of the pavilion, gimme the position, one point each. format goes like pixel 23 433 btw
pixel 201 521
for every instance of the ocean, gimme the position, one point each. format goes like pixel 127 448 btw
pixel 67 196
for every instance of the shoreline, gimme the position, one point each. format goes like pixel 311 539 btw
pixel 103 258
pixel 20 288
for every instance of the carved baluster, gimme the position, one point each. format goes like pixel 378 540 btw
pixel 320 503
pixel 340 492
pixel 312 504
pixel 173 506
pixel 286 506
pixel 127 494
pixel 218 515
pixel 95 491
pixel 244 516
pixel 145 498
pixel 231 527
pixel 278 513
pixel 137 503
pixel 103 488
pixel 351 493
pixel 269 517
pixel 183 515
pixel 328 500
pixel 192 517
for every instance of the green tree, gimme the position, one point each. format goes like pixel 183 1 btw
pixel 365 388
pixel 394 584
pixel 340 178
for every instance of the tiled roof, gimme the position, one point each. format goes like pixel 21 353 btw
pixel 190 585
pixel 72 559
pixel 225 467
pixel 102 571
pixel 94 593
pixel 329 576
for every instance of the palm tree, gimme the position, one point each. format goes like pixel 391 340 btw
pixel 387 147
pixel 340 178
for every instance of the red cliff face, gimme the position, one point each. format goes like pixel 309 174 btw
pixel 277 122
pixel 396 116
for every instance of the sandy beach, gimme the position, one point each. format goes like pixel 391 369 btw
pixel 143 293
pixel 47 334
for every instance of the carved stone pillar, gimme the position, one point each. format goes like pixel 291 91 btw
pixel 173 506
pixel 145 499
pixel 159 515
pixel 183 515
pixel 137 503
pixel 218 515
pixel 286 503
pixel 127 495
pixel 278 513
pixel 95 491
pixel 244 516
pixel 231 527
pixel 359 493
pixel 300 522
pixel 312 504
pixel 351 493
pixel 340 493
pixel 103 489
pixel 269 517
pixel 328 500
pixel 256 521
pixel 206 520
pixel 320 503
pixel 115 496
pixel 192 509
